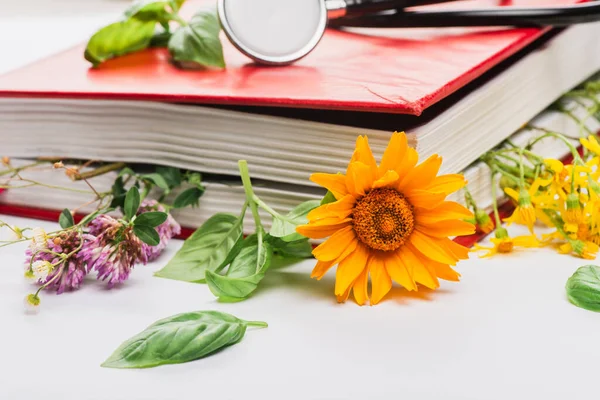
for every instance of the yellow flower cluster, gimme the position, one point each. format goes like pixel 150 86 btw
pixel 547 192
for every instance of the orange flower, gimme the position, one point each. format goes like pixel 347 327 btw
pixel 389 221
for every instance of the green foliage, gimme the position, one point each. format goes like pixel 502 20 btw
pixel 583 288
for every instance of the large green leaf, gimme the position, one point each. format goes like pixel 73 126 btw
pixel 285 227
pixel 151 10
pixel 198 42
pixel 583 288
pixel 205 250
pixel 151 218
pixel 132 203
pixel 180 338
pixel 297 249
pixel 245 272
pixel 118 39
pixel 147 234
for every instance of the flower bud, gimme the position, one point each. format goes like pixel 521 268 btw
pixel 41 269
pixel 32 304
pixel 5 161
pixel 501 233
pixel 484 222
pixel 39 239
pixel 58 165
pixel 573 213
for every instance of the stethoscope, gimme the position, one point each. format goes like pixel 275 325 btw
pixel 280 32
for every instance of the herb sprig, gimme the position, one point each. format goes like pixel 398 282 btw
pixel 148 23
pixel 233 266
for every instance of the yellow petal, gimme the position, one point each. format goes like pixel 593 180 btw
pixel 349 269
pixel 381 283
pixel 444 211
pixel 344 296
pixel 338 209
pixel 447 184
pixel 454 227
pixel 364 155
pixel 340 242
pixel 420 273
pixel 386 180
pixel 359 288
pixel 459 251
pixel 512 193
pixel 425 199
pixel 317 231
pixel 420 176
pixel 440 270
pixel 393 153
pixel 335 183
pixel 321 269
pixel 399 271
pixel 427 245
pixel 359 179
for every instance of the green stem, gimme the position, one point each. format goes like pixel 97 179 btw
pixel 574 152
pixel 250 198
pixel 495 201
pixel 266 207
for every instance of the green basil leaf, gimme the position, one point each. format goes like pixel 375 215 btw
pixel 126 171
pixel 198 42
pixel 151 218
pixel 147 234
pixel 328 198
pixel 171 175
pixel 583 288
pixel 244 274
pixel 179 339
pixel 297 249
pixel 150 10
pixel 132 203
pixel 205 250
pixel 189 197
pixel 285 228
pixel 66 219
pixel 118 39
pixel 160 39
pixel 158 180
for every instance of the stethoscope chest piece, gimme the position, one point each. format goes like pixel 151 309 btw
pixel 276 32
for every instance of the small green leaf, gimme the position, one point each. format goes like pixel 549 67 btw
pixel 199 41
pixel 66 219
pixel 285 228
pixel 147 234
pixel 150 10
pixel 583 288
pixel 151 218
pixel 328 198
pixel 297 249
pixel 132 203
pixel 118 39
pixel 179 339
pixel 189 197
pixel 126 171
pixel 245 272
pixel 205 250
pixel 158 180
pixel 171 175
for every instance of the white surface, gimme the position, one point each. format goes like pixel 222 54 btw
pixel 506 331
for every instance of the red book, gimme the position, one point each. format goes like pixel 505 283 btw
pixel 393 71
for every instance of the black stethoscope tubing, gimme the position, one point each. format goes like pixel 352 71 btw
pixel 499 16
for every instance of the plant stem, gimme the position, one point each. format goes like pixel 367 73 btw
pixel 495 201
pixel 259 324
pixel 250 196
pixel 78 176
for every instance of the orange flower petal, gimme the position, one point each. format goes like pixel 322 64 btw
pixel 420 273
pixel 321 269
pixel 336 183
pixel 364 155
pixel 422 175
pixel 338 209
pixel 349 269
pixel 360 287
pixel 449 183
pixel 461 252
pixel 342 241
pixel 344 296
pixel 359 179
pixel 453 227
pixel 381 283
pixel 442 271
pixel 386 180
pixel 318 231
pixel 428 245
pixel 395 151
pixel 425 199
pixel 444 211
pixel 399 271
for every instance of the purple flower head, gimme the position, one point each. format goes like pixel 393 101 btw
pixel 66 274
pixel 166 230
pixel 112 249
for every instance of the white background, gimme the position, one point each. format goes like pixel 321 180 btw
pixel 506 331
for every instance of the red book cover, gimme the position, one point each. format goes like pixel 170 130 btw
pixel 382 70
